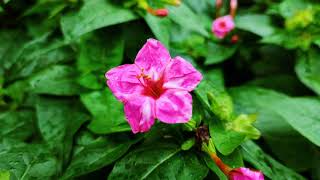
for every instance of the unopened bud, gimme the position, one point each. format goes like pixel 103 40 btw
pixel 234 39
pixel 233 7
pixel 161 12
pixel 158 12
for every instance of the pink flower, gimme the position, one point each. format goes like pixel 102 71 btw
pixel 222 26
pixel 245 174
pixel 155 86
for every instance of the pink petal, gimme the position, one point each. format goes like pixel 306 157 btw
pixel 245 174
pixel 139 111
pixel 153 57
pixel 180 74
pixel 123 81
pixel 174 106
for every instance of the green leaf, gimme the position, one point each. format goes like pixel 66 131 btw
pixel 55 80
pixel 186 18
pixel 301 114
pixel 107 112
pixel 270 167
pixel 161 161
pixel 288 8
pixel 94 14
pixel 37 54
pixel 256 23
pixel 58 121
pixel 27 161
pixel 218 53
pixel 96 57
pixel 17 124
pixel 10 42
pixel 92 153
pixel 4 175
pixel 225 140
pixel 308 69
pixel 284 141
pixel 160 28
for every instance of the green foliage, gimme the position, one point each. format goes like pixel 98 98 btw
pixel 59 120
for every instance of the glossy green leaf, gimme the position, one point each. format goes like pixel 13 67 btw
pixel 92 153
pixel 58 121
pixel 17 124
pixel 270 167
pixel 285 142
pixel 256 23
pixel 94 14
pixel 163 161
pixel 107 112
pixel 301 114
pixel 37 54
pixel 27 161
pixel 159 27
pixel 226 140
pixel 55 80
pixel 186 18
pixel 308 69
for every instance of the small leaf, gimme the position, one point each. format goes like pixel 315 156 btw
pixel 218 53
pixel 225 140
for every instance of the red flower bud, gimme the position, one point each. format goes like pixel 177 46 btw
pixel 234 39
pixel 161 12
pixel 158 12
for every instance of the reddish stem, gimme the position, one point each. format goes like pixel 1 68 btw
pixel 223 167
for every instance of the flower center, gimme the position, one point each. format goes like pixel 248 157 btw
pixel 152 88
pixel 222 24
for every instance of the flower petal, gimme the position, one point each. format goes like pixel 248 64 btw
pixel 123 81
pixel 153 58
pixel 174 106
pixel 180 74
pixel 245 174
pixel 139 111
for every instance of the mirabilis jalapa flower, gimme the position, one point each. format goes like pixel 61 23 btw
pixel 222 26
pixel 245 174
pixel 240 173
pixel 155 86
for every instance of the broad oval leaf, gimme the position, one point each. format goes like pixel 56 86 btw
pixel 160 161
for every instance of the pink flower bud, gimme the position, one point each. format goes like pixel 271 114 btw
pixel 161 12
pixel 222 26
pixel 158 12
pixel 245 174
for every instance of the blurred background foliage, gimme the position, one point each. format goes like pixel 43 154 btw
pixel 58 119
